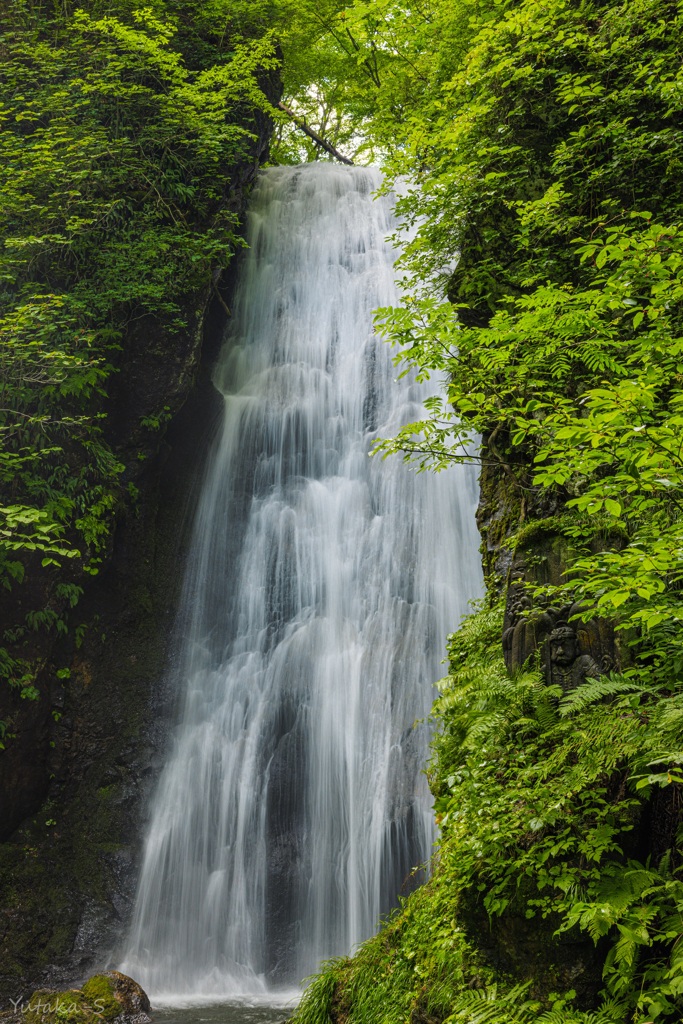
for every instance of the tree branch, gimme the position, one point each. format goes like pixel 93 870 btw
pixel 302 126
pixel 221 300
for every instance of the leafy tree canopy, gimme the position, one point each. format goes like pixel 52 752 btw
pixel 120 128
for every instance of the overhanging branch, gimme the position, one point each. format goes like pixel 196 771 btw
pixel 319 141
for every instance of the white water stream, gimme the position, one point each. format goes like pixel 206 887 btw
pixel 320 590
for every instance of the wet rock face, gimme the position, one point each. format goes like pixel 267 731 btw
pixel 68 862
pixel 531 952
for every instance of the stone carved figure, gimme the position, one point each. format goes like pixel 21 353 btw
pixel 569 645
pixel 566 666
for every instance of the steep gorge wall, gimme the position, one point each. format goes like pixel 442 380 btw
pixel 76 774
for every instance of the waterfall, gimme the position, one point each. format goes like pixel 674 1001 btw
pixel 320 589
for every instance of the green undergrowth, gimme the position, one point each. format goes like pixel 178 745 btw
pixel 417 964
pixel 122 135
pixel 550 900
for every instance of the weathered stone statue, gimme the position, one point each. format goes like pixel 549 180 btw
pixel 584 646
pixel 565 665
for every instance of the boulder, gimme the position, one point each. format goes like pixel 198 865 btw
pixel 111 996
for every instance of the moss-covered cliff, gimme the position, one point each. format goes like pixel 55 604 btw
pixel 94 740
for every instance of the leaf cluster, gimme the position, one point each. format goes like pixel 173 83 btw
pixel 120 132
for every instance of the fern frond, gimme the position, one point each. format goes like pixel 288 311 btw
pixel 491 1006
pixel 595 690
pixel 565 1016
pixel 546 711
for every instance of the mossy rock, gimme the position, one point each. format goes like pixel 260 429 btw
pixel 104 997
pixel 47 1006
pixel 99 992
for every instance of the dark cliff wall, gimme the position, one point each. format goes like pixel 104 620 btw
pixel 75 779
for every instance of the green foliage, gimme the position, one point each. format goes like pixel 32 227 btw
pixel 357 72
pixel 561 347
pixel 416 964
pixel 549 204
pixel 120 129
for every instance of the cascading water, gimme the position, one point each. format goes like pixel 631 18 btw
pixel 320 590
